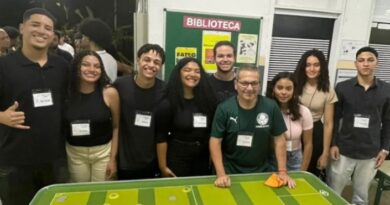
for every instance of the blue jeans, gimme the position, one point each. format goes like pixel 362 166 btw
pixel 294 161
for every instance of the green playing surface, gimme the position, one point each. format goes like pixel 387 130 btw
pixel 246 189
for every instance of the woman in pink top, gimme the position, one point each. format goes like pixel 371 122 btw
pixel 298 121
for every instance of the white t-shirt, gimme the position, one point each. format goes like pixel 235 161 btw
pixel 110 64
pixel 67 47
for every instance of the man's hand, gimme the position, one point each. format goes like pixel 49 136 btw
pixel 380 158
pixel 222 181
pixel 287 180
pixel 335 153
pixel 13 118
pixel 322 162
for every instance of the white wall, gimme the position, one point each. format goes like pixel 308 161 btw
pixel 353 19
pixel 382 11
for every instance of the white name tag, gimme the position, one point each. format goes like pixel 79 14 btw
pixel 200 120
pixel 42 98
pixel 289 145
pixel 361 121
pixel 143 119
pixel 81 129
pixel 244 140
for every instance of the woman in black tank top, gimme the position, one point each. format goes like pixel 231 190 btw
pixel 92 120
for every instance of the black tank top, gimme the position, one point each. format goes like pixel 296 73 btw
pixel 91 109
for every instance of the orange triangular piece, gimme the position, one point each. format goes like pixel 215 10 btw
pixel 274 181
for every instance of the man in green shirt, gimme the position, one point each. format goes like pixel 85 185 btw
pixel 244 129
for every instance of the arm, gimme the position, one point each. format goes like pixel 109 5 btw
pixel 308 148
pixel 13 118
pixel 124 69
pixel 163 125
pixel 222 180
pixel 385 134
pixel 338 114
pixel 281 158
pixel 328 131
pixel 162 148
pixel 111 97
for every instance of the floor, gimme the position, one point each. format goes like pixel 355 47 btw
pixel 385 199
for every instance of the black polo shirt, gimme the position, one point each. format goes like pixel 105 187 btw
pixel 19 78
pixel 372 109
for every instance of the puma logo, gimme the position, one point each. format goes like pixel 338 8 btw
pixel 234 119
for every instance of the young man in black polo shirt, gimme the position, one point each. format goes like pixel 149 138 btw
pixel 139 94
pixel 361 137
pixel 32 87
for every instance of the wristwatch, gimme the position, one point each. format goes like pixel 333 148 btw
pixel 386 152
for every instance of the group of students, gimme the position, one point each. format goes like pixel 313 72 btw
pixel 56 121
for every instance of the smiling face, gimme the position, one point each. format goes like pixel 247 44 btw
pixel 149 64
pixel 37 32
pixel 224 58
pixel 90 69
pixel 284 90
pixel 313 67
pixel 247 85
pixel 190 75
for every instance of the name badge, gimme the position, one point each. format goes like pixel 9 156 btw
pixel 42 98
pixel 81 128
pixel 361 121
pixel 244 140
pixel 289 145
pixel 200 120
pixel 143 119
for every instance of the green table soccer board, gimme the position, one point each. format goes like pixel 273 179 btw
pixel 246 189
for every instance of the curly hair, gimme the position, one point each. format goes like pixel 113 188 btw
pixel 293 103
pixel 152 47
pixel 98 31
pixel 300 71
pixel 74 81
pixel 203 95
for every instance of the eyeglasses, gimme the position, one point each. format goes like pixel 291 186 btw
pixel 245 84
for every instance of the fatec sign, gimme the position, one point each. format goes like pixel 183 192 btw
pixel 211 24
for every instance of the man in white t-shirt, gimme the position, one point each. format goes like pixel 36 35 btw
pixel 65 46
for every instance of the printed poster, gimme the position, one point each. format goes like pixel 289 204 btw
pixel 247 48
pixel 182 52
pixel 209 39
pixel 349 49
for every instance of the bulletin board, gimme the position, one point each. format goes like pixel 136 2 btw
pixel 195 34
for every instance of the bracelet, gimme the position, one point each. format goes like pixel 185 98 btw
pixel 282 170
pixel 386 152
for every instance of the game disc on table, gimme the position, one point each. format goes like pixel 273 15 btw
pixel 186 189
pixel 113 196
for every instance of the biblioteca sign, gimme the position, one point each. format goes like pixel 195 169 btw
pixel 211 23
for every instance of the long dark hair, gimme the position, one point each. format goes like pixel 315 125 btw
pixel 204 98
pixel 293 103
pixel 300 71
pixel 74 82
